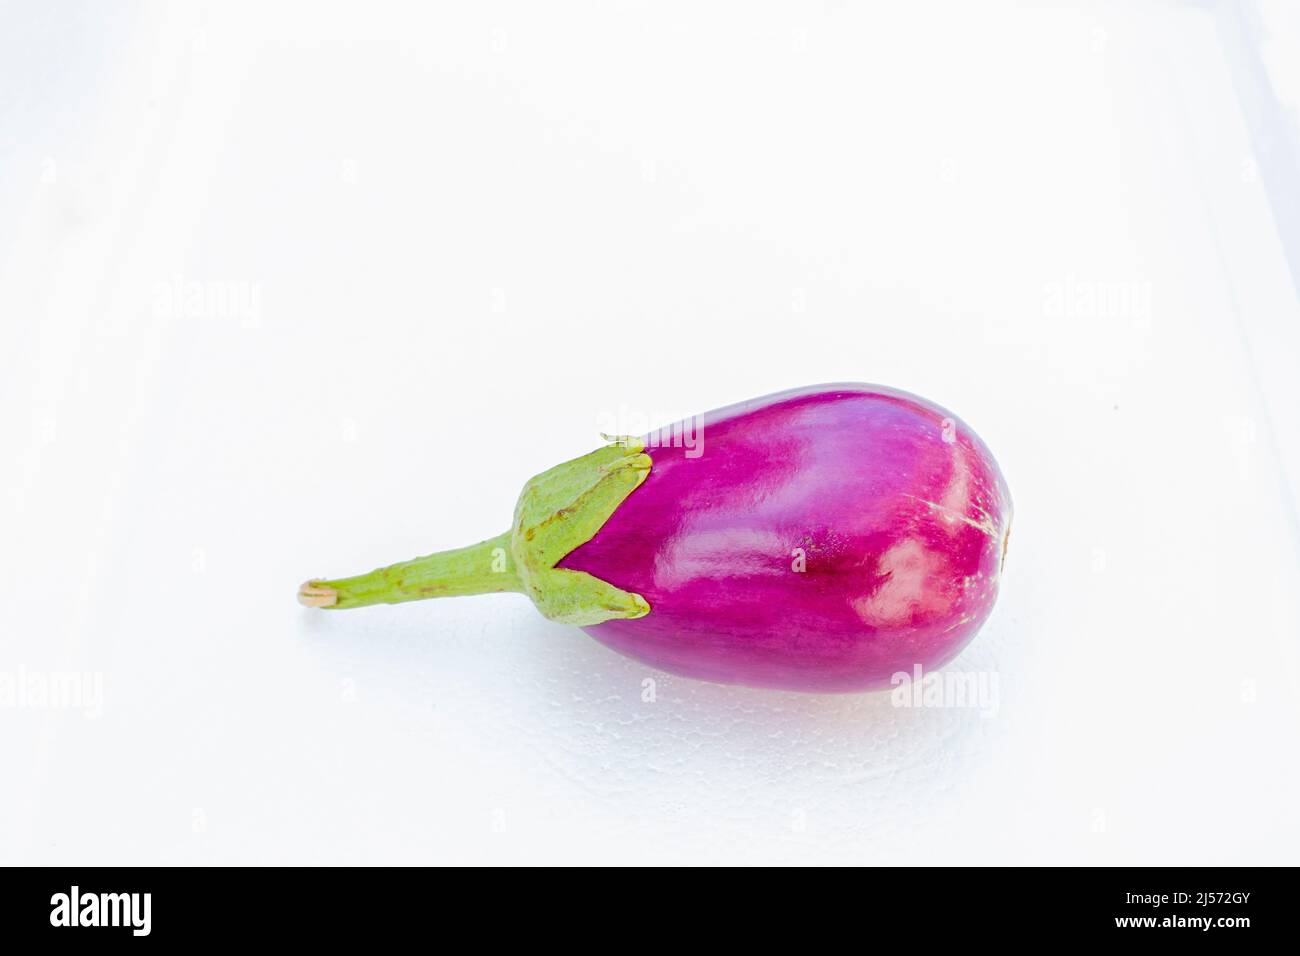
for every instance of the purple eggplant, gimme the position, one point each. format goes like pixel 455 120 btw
pixel 821 539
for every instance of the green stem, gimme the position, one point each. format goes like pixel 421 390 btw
pixel 482 568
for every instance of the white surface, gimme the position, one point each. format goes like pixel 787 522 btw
pixel 467 240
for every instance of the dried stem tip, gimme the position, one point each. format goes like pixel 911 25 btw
pixel 312 594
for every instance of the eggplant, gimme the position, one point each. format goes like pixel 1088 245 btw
pixel 821 539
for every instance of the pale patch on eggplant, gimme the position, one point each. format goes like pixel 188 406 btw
pixel 985 524
pixel 913 584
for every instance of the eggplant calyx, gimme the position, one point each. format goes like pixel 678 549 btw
pixel 563 508
pixel 557 511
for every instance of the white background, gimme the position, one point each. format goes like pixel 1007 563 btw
pixel 426 252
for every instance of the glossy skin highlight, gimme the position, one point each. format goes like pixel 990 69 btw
pixel 822 539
